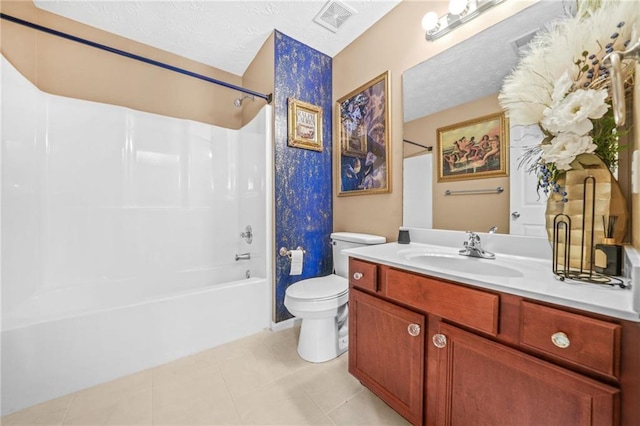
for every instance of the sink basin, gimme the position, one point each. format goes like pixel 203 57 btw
pixel 464 264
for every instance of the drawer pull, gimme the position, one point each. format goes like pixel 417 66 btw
pixel 439 340
pixel 561 340
pixel 413 330
pixel 357 275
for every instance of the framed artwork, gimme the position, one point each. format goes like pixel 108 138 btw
pixel 305 125
pixel 362 159
pixel 473 149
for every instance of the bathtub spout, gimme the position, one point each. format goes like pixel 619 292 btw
pixel 243 256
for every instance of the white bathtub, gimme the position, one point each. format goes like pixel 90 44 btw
pixel 48 354
pixel 119 230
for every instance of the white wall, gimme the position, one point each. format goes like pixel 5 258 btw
pixel 417 176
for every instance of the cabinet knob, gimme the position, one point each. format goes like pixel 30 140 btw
pixel 413 330
pixel 357 275
pixel 439 340
pixel 561 340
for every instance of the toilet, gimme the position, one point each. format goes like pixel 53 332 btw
pixel 321 302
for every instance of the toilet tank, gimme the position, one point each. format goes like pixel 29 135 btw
pixel 346 240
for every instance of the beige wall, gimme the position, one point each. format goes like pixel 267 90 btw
pixel 395 43
pixel 67 68
pixel 259 77
pixel 477 212
pixel 635 198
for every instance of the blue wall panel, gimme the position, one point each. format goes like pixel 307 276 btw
pixel 303 179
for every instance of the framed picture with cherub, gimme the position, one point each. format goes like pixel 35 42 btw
pixel 473 149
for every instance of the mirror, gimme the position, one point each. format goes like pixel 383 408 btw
pixel 460 84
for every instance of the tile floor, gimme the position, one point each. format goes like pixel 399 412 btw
pixel 258 380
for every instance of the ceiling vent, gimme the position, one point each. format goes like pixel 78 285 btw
pixel 333 15
pixel 521 44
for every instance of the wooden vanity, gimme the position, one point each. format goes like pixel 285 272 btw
pixel 441 352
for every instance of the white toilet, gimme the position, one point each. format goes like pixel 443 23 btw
pixel 321 302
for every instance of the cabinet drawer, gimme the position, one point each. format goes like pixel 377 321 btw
pixel 582 341
pixel 363 275
pixel 472 308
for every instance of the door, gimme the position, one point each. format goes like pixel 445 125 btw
pixel 386 352
pixel 527 207
pixel 481 382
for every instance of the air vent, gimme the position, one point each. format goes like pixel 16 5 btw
pixel 333 15
pixel 521 44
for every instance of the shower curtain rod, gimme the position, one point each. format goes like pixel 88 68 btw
pixel 428 148
pixel 19 21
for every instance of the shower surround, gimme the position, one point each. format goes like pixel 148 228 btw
pixel 119 235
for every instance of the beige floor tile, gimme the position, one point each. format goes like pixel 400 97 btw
pixel 181 368
pixel 328 384
pixel 48 413
pixel 108 394
pixel 250 372
pixel 287 352
pixel 366 409
pixel 134 409
pixel 278 404
pixel 259 380
pixel 250 344
pixel 194 399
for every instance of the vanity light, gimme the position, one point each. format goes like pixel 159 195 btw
pixel 430 21
pixel 460 11
pixel 457 7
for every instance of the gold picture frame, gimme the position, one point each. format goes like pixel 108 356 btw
pixel 305 125
pixel 473 149
pixel 362 159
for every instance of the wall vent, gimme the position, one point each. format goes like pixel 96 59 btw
pixel 521 44
pixel 333 15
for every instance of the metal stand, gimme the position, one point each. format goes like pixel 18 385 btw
pixel 562 235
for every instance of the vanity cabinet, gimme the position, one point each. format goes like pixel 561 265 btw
pixel 387 352
pixel 443 353
pixel 483 382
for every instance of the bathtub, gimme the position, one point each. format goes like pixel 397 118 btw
pixel 95 335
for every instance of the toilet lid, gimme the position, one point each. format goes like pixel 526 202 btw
pixel 328 287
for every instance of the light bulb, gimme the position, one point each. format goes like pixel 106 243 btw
pixel 430 21
pixel 457 7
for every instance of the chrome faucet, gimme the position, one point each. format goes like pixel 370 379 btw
pixel 473 248
pixel 247 234
pixel 243 256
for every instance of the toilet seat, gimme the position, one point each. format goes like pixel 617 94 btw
pixel 319 289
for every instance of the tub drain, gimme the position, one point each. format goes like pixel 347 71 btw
pixel 248 273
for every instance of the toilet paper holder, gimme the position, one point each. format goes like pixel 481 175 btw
pixel 284 252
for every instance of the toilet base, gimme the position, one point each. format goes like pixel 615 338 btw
pixel 323 339
pixel 319 340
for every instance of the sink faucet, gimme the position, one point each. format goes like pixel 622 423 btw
pixel 473 248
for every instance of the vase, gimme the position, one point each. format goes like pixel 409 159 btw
pixel 586 208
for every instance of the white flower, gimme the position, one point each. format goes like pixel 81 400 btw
pixel 561 88
pixel 573 113
pixel 565 147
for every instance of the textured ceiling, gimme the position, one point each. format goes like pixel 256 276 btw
pixel 474 68
pixel 224 34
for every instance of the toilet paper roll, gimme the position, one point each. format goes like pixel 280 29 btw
pixel 297 257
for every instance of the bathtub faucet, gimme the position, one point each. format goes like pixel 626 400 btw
pixel 243 256
pixel 247 234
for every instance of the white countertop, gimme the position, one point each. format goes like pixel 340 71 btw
pixel 532 279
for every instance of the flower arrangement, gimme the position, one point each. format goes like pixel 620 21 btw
pixel 563 86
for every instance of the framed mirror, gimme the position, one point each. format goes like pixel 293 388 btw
pixel 457 85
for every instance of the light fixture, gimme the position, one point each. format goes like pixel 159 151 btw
pixel 460 11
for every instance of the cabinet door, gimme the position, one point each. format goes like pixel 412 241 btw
pixel 386 352
pixel 481 382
